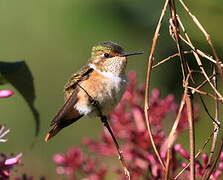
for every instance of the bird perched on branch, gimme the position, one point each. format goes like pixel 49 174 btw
pixel 102 80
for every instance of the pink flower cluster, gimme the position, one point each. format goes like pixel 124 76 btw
pixel 128 124
pixel 77 166
pixel 6 163
pixel 201 164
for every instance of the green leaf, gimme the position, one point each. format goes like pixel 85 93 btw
pixel 18 74
pixel 2 80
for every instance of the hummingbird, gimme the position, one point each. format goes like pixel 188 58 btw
pixel 102 79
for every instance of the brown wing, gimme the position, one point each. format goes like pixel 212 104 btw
pixel 67 105
pixel 70 91
pixel 77 77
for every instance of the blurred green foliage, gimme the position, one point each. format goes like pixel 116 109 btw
pixel 55 39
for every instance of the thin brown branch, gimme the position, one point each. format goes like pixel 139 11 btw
pixel 169 58
pixel 176 32
pixel 190 114
pixel 198 59
pixel 148 79
pixel 216 127
pixel 209 172
pixel 202 54
pixel 198 25
pixel 168 161
pixel 197 155
pixel 204 93
pixel 189 95
pixel 121 158
pixel 172 134
pixel 202 84
pixel 106 124
pixel 206 34
pixel 175 24
pixel 172 137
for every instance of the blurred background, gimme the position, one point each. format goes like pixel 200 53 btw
pixel 55 38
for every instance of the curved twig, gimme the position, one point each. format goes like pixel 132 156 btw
pixel 148 79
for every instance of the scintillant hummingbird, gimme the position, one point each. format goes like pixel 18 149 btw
pixel 102 79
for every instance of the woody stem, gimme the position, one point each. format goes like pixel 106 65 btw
pixel 104 120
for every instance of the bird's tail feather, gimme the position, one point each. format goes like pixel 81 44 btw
pixel 57 127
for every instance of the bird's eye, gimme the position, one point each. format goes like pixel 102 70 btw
pixel 106 55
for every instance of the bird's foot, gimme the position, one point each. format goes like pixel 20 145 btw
pixel 103 119
pixel 94 102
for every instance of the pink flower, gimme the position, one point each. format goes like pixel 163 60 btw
pixel 183 152
pixel 7 163
pixel 59 159
pixel 6 93
pixel 14 160
pixel 75 162
pixel 128 124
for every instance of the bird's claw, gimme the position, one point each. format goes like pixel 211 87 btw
pixel 94 102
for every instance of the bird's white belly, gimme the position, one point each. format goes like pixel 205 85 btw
pixel 111 96
pixel 108 93
pixel 108 98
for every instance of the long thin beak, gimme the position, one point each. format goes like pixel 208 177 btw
pixel 134 53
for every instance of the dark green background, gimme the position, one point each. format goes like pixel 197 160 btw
pixel 55 39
